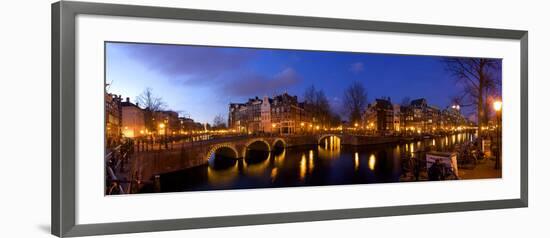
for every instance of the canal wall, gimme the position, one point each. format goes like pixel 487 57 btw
pixel 147 164
pixel 150 163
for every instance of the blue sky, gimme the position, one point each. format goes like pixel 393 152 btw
pixel 202 81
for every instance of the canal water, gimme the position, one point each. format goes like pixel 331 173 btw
pixel 329 163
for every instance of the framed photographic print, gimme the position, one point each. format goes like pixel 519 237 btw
pixel 166 118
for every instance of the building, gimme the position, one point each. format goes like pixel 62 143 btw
pixel 288 116
pixel 282 114
pixel 188 125
pixel 379 116
pixel 133 120
pixel 167 122
pixel 420 117
pixel 265 115
pixel 397 117
pixel 432 119
pixel 245 117
pixel 451 118
pixel 113 119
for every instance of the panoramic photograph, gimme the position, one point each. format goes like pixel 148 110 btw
pixel 181 118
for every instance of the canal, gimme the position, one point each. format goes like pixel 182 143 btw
pixel 329 163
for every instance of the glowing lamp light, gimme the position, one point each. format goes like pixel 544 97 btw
pixel 497 105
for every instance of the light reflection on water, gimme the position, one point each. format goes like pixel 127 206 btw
pixel 356 161
pixel 329 163
pixel 303 167
pixel 372 162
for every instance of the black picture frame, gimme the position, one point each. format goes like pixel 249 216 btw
pixel 64 107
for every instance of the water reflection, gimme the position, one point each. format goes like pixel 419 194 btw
pixel 256 163
pixel 310 163
pixel 372 162
pixel 356 161
pixel 222 176
pixel 274 174
pixel 329 147
pixel 328 163
pixel 303 167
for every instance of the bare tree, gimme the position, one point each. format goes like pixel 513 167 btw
pixel 478 78
pixel 317 103
pixel 151 104
pixel 309 95
pixel 355 101
pixel 406 101
pixel 149 101
pixel 219 122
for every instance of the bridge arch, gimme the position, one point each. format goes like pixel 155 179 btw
pixel 256 144
pixel 279 142
pixel 227 150
pixel 321 137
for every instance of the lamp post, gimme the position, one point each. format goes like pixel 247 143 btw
pixel 162 127
pixel 497 105
pixel 273 128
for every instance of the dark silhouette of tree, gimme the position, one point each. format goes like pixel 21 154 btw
pixel 151 104
pixel 309 95
pixel 219 122
pixel 478 79
pixel 316 103
pixel 355 101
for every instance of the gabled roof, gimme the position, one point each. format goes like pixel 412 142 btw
pixel 418 102
pixel 383 103
pixel 128 104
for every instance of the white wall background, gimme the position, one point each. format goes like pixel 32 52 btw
pixel 25 117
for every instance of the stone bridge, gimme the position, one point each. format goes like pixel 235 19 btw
pixel 237 147
pixel 189 155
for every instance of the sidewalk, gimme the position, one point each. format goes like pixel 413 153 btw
pixel 484 169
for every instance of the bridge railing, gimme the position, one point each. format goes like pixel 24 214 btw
pixel 115 162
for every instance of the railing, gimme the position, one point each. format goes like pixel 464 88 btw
pixel 115 161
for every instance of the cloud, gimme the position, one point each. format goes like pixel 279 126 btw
pixel 228 71
pixel 357 67
pixel 258 85
pixel 189 64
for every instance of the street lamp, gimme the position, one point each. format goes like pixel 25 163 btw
pixel 161 126
pixel 273 127
pixel 497 105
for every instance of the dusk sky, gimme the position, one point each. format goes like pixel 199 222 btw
pixel 202 81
